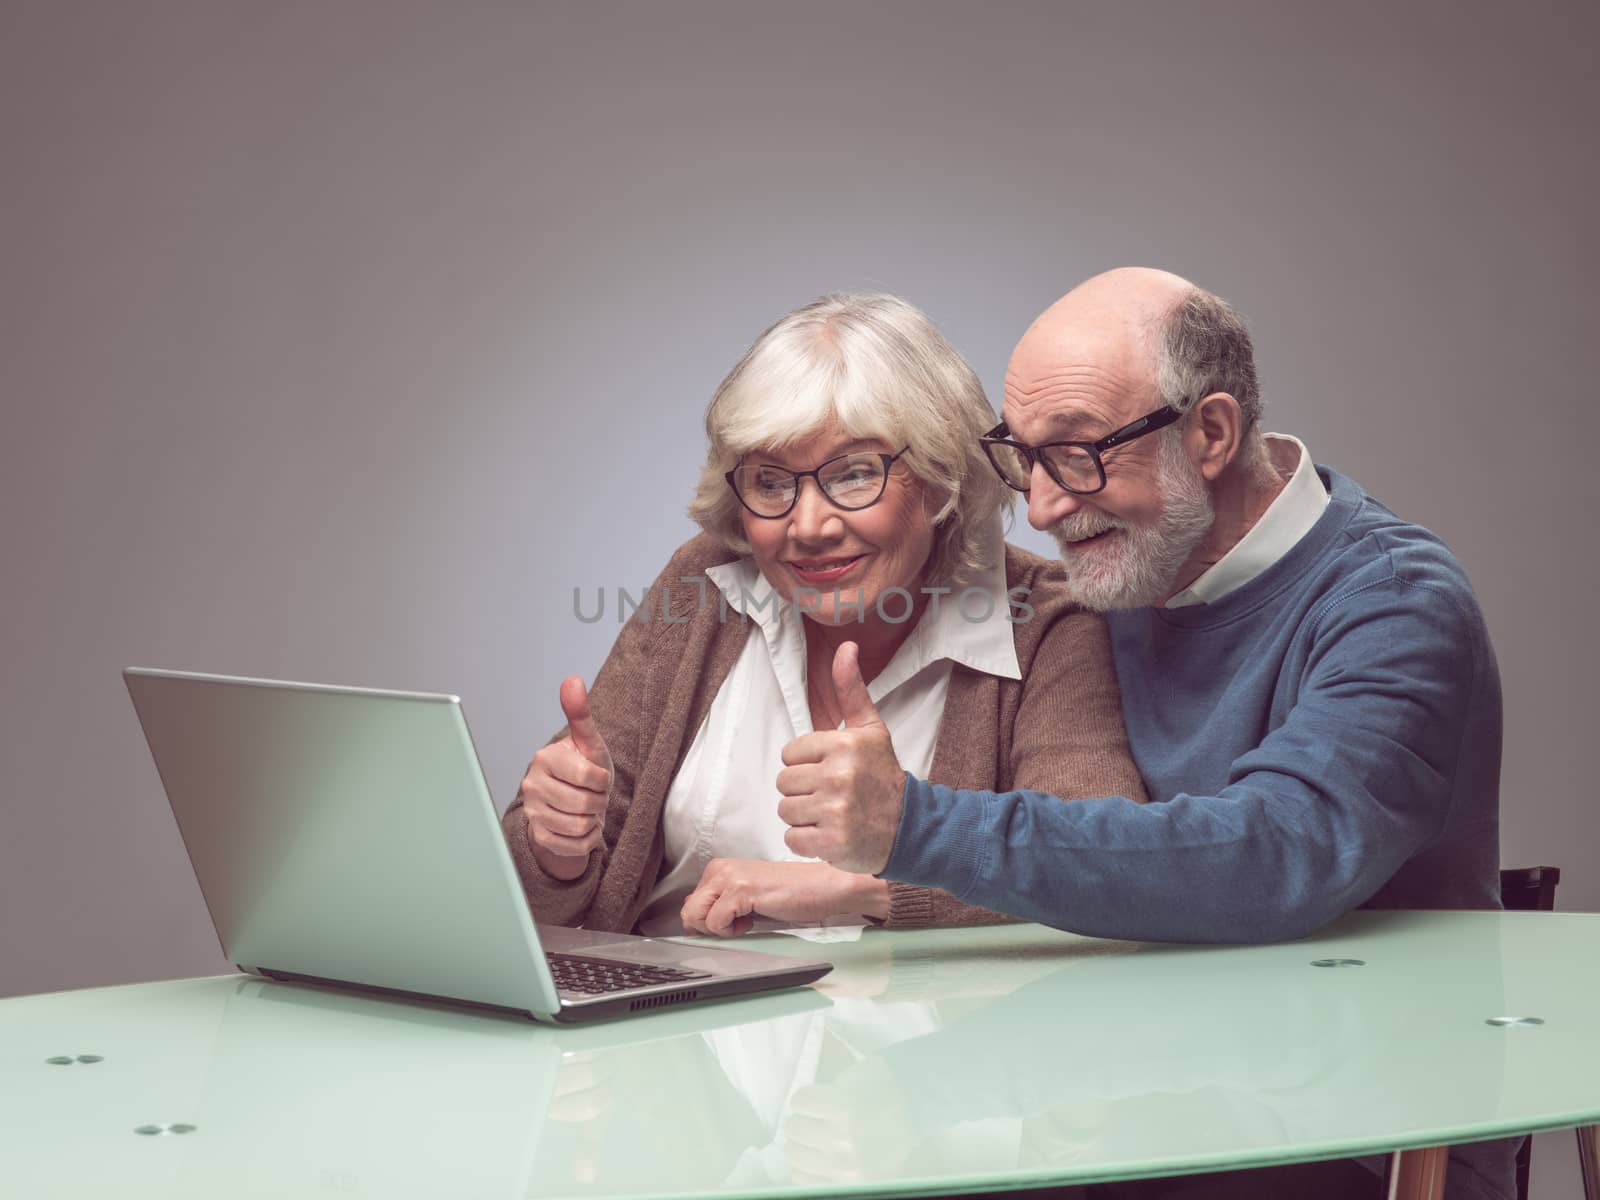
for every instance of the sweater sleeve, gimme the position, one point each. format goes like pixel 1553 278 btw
pixel 614 699
pixel 1067 740
pixel 1356 779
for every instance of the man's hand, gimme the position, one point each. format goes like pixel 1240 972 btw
pixel 564 792
pixel 842 790
pixel 733 892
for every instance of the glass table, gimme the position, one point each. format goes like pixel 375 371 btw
pixel 927 1062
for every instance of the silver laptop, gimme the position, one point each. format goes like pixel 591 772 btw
pixel 346 836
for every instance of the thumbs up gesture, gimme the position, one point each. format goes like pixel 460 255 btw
pixel 842 788
pixel 565 789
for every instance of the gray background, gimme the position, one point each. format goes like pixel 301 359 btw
pixel 342 341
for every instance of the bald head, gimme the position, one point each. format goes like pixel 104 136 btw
pixel 1112 320
pixel 1096 346
pixel 1137 291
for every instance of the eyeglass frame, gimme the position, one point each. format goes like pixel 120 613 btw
pixel 816 474
pixel 1133 430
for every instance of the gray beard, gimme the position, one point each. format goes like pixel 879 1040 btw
pixel 1142 565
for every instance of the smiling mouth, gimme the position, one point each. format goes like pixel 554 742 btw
pixel 824 568
pixel 1092 539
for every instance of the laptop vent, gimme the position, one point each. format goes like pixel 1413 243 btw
pixel 658 1001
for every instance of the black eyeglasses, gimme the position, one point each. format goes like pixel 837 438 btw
pixel 851 481
pixel 1075 466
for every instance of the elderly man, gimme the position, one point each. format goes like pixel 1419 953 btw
pixel 1308 685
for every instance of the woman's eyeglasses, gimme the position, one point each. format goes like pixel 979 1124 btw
pixel 851 481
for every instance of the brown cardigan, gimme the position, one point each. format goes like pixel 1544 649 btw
pixel 1058 729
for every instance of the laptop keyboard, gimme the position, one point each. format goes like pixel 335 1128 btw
pixel 595 976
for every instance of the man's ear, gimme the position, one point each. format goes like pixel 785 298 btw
pixel 1215 433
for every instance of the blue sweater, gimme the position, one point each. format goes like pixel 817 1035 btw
pixel 1326 736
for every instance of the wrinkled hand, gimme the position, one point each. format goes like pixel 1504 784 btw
pixel 842 789
pixel 564 792
pixel 733 892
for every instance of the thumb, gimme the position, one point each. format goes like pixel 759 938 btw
pixel 851 689
pixel 585 733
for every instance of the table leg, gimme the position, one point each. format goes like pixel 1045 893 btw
pixel 1418 1174
pixel 1589 1159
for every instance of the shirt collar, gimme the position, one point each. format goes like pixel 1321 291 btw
pixel 1288 518
pixel 968 625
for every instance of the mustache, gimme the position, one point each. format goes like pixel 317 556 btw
pixel 1079 525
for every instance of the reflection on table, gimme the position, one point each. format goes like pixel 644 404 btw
pixel 977 1058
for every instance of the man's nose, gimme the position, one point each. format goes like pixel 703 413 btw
pixel 1048 501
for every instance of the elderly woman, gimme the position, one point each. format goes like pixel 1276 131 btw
pixel 844 497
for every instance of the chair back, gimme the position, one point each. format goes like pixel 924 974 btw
pixel 1529 889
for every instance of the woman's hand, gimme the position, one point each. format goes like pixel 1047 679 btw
pixel 732 892
pixel 564 792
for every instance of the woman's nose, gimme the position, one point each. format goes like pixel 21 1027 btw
pixel 810 517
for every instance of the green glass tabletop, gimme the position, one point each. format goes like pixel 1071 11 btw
pixel 927 1062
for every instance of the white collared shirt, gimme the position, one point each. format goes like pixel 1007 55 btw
pixel 723 802
pixel 1288 518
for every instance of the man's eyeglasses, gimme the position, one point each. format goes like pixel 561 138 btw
pixel 1075 466
pixel 851 481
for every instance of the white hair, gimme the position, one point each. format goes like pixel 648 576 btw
pixel 1202 346
pixel 877 367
